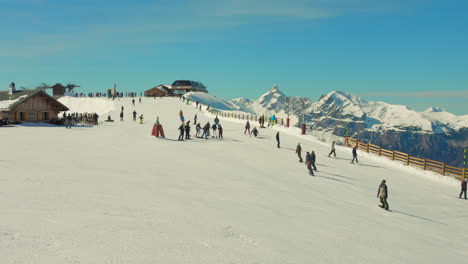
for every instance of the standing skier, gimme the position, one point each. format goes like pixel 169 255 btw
pixel 134 115
pixel 198 128
pixel 383 195
pixel 220 131
pixel 277 140
pixel 309 163
pixel 298 151
pixel 313 160
pixel 121 116
pixel 463 187
pixel 187 130
pixel 141 119
pixel 247 127
pixel 139 100
pixel 181 129
pixel 355 155
pixel 195 119
pixel 206 129
pixel 214 127
pixel 216 120
pixel 332 149
pixel 133 101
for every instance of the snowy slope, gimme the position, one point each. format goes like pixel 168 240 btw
pixel 101 106
pixel 113 194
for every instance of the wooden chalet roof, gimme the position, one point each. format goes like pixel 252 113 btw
pixel 10 102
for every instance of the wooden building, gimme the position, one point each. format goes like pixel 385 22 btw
pixel 185 86
pixel 29 106
pixel 160 90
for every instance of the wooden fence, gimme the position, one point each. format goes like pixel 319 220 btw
pixel 425 164
pixel 279 121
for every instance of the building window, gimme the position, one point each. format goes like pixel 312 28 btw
pixel 45 115
pixel 22 116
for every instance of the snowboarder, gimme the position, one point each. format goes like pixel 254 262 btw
pixel 134 115
pixel 355 155
pixel 220 131
pixel 277 140
pixel 332 149
pixel 313 160
pixel 187 130
pixel 214 127
pixel 255 131
pixel 463 187
pixel 309 163
pixel 383 195
pixel 141 119
pixel 298 151
pixel 181 129
pixel 121 116
pixel 247 128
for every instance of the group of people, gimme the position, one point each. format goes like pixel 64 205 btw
pixel 80 118
pixel 201 132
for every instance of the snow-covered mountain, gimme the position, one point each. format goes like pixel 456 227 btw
pixel 434 133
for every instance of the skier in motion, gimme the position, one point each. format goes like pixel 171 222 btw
pixel 463 187
pixel 332 150
pixel 313 160
pixel 247 127
pixel 134 115
pixel 383 195
pixel 298 151
pixel 309 163
pixel 277 140
pixel 355 155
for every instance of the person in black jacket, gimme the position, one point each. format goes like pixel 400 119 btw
pixel 382 193
pixel 309 163
pixel 277 140
pixel 298 151
pixel 187 130
pixel 134 115
pixel 181 129
pixel 313 160
pixel 355 155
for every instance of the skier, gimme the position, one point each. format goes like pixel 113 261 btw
pixel 139 100
pixel 198 129
pixel 255 131
pixel 277 140
pixel 121 116
pixel 247 128
pixel 141 119
pixel 206 129
pixel 463 187
pixel 134 115
pixel 355 155
pixel 313 160
pixel 383 195
pixel 68 122
pixel 187 130
pixel 332 149
pixel 181 129
pixel 309 163
pixel 216 120
pixel 195 119
pixel 298 151
pixel 133 101
pixel 214 127
pixel 220 131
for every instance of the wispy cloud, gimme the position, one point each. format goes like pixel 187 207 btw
pixel 422 94
pixel 84 25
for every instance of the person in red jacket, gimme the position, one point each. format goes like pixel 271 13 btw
pixel 463 187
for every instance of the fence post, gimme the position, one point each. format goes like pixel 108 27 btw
pixel 408 159
pixel 368 148
pixel 357 143
pixel 393 155
pixel 380 151
pixel 425 164
pixel 443 168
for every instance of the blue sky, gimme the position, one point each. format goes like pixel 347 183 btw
pixel 411 52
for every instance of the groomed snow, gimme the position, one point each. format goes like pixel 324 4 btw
pixel 114 194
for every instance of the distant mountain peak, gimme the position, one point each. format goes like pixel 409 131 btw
pixel 435 109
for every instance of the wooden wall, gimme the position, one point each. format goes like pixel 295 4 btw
pixel 34 107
